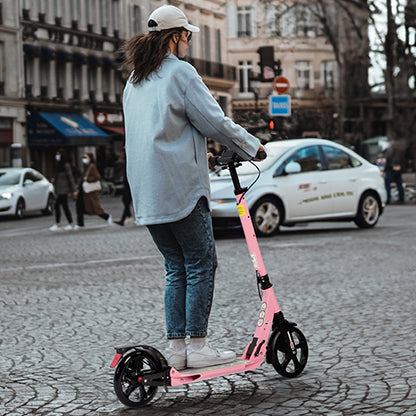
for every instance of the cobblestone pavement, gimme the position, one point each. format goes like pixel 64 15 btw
pixel 67 298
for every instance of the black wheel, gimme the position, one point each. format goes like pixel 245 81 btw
pixel 368 210
pixel 288 361
pixel 20 209
pixel 48 210
pixel 128 379
pixel 267 214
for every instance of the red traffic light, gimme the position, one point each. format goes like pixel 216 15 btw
pixel 272 125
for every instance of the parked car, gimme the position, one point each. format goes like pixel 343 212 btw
pixel 302 180
pixel 23 190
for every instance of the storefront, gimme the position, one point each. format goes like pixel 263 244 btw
pixel 6 140
pixel 47 132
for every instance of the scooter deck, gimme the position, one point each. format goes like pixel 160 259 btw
pixel 189 371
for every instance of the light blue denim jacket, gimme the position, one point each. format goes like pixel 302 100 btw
pixel 167 119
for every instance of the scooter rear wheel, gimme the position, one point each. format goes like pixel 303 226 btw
pixel 286 361
pixel 128 379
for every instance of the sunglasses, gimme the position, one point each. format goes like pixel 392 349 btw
pixel 188 36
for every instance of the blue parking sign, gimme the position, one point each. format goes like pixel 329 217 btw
pixel 279 105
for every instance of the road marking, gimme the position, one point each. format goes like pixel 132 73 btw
pixel 78 263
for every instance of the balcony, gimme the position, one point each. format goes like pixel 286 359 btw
pixel 214 69
pixel 72 36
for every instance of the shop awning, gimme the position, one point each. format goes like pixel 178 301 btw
pixel 63 129
pixel 114 129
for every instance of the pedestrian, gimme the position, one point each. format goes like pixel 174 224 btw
pixel 393 172
pixel 64 185
pixel 126 198
pixel 169 112
pixel 88 201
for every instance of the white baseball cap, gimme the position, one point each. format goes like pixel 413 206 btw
pixel 170 17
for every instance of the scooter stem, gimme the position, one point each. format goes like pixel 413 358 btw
pixel 247 224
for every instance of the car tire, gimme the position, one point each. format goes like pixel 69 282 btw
pixel 49 205
pixel 267 215
pixel 369 210
pixel 20 209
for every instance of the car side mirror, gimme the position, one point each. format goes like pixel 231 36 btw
pixel 293 167
pixel 27 182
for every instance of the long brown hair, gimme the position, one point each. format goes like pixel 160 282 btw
pixel 144 53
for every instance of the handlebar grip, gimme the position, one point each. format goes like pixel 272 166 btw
pixel 213 160
pixel 261 155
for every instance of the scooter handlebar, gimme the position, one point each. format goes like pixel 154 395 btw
pixel 228 156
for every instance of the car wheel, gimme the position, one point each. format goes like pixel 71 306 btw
pixel 49 205
pixel 368 210
pixel 267 214
pixel 20 209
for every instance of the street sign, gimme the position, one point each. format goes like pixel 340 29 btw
pixel 279 105
pixel 281 84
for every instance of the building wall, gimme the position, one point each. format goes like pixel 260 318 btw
pixel 62 56
pixel 12 112
pixel 307 59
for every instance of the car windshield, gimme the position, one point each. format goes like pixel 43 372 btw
pixel 9 178
pixel 273 153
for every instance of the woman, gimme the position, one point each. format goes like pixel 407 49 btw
pixel 64 184
pixel 168 114
pixel 88 201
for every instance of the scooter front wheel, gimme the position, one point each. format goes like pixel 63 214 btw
pixel 128 379
pixel 288 351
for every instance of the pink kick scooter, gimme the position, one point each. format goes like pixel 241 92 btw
pixel 140 369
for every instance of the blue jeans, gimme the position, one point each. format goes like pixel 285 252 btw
pixel 391 176
pixel 190 261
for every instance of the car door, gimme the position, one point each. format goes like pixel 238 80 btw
pixel 343 179
pixel 34 190
pixel 306 193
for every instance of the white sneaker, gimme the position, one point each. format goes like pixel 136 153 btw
pixel 176 359
pixel 76 227
pixel 54 228
pixel 129 220
pixel 68 227
pixel 110 220
pixel 207 356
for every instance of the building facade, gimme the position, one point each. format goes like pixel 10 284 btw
pixel 305 57
pixel 61 84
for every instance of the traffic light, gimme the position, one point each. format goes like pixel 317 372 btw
pixel 267 73
pixel 272 124
pixel 278 67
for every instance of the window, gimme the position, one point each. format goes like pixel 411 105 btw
pixel 58 11
pixel 218 45
pixel 44 76
pixel 115 14
pixel 244 69
pixel 244 17
pixel 273 20
pixel 137 19
pixel 338 159
pixel 2 63
pixel 308 158
pixel 33 176
pixel 328 73
pixel 304 74
pixel 207 44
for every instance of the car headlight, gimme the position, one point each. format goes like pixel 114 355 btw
pixel 6 195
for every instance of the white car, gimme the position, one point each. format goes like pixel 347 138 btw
pixel 23 190
pixel 302 180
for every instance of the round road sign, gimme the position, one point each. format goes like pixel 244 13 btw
pixel 281 84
